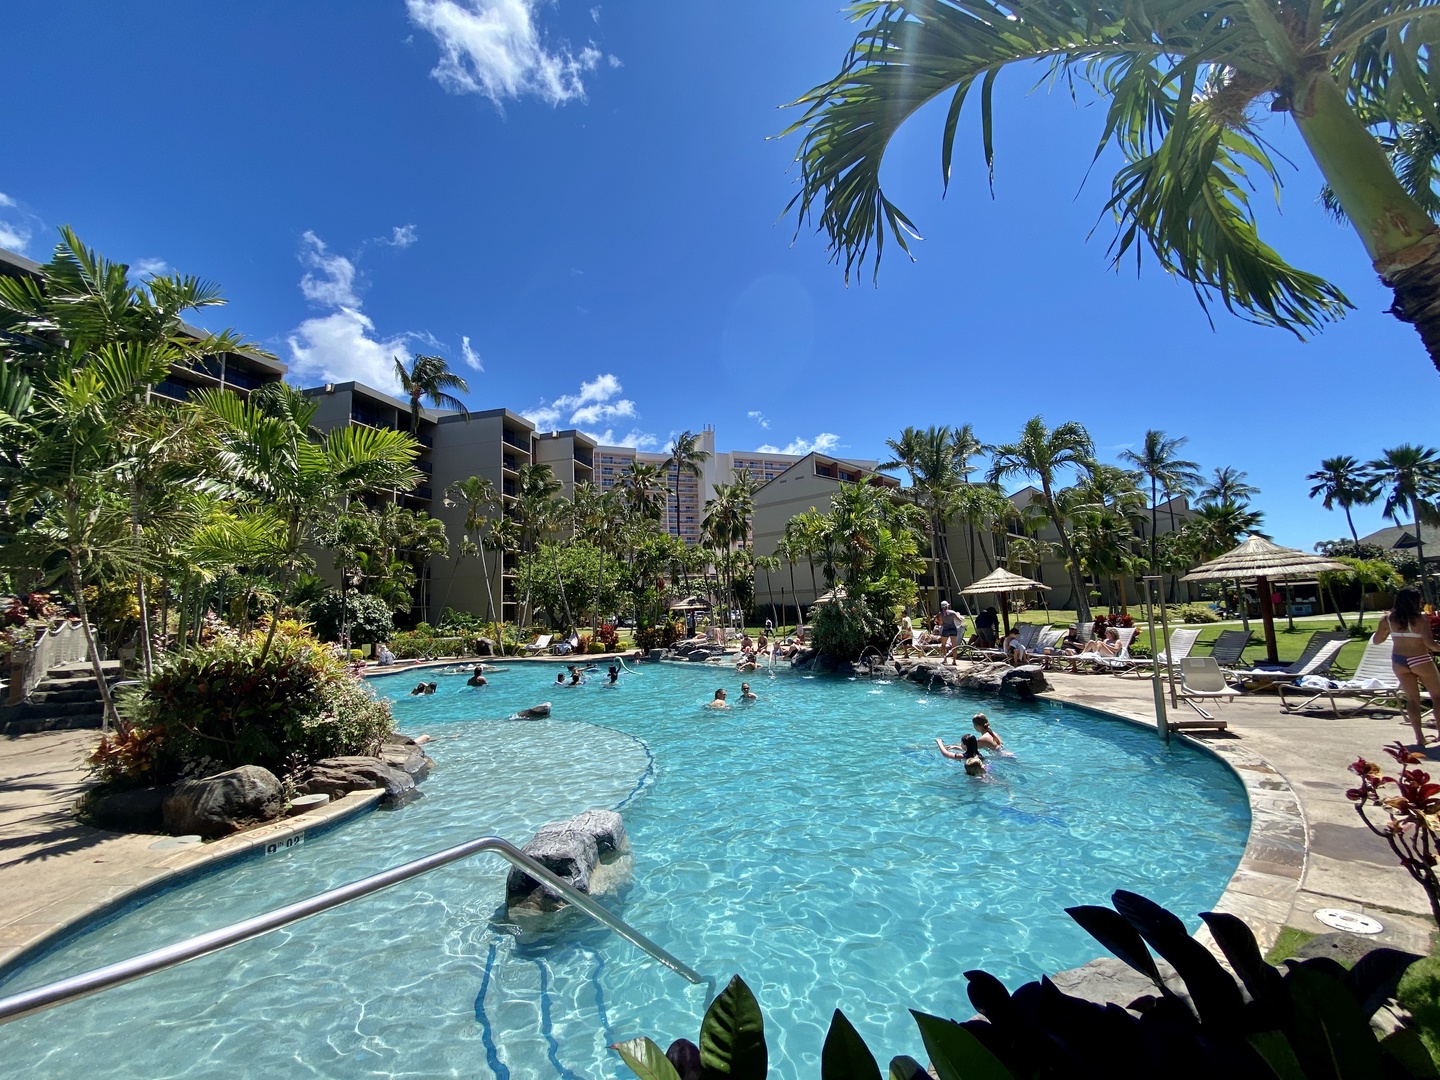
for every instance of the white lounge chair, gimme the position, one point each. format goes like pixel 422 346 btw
pixel 1182 643
pixel 1317 662
pixel 1375 679
pixel 1203 680
pixel 539 645
pixel 1122 661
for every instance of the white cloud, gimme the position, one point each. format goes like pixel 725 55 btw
pixel 147 268
pixel 343 346
pixel 615 61
pixel 336 285
pixel 470 355
pixel 635 437
pixel 824 443
pixel 401 236
pixel 595 17
pixel 596 402
pixel 13 234
pixel 759 418
pixel 494 48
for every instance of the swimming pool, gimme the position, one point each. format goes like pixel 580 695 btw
pixel 814 842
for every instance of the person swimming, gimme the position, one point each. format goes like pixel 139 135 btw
pixel 419 689
pixel 560 678
pixel 968 751
pixel 431 687
pixel 478 679
pixel 746 694
pixel 719 702
pixel 612 676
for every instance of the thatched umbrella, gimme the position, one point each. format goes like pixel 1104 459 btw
pixel 1260 561
pixel 1002 582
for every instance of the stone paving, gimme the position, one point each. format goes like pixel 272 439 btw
pixel 1308 849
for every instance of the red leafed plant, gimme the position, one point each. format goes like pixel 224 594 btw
pixel 1413 827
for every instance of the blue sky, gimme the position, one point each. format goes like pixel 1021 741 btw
pixel 580 206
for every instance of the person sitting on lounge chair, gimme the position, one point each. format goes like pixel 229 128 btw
pixel 383 655
pixel 1107 646
pixel 1015 652
pixel 1069 645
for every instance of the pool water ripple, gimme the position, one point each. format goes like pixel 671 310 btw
pixel 814 842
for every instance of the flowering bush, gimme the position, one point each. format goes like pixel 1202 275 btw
pixel 608 636
pixel 1413 826
pixel 660 636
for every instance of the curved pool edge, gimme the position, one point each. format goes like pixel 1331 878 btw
pixel 1261 890
pixel 184 864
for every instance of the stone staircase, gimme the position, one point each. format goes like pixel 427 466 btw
pixel 67 698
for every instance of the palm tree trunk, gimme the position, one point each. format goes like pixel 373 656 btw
pixel 1351 522
pixel 560 582
pixel 148 659
pixel 1077 583
pixel 1419 551
pixel 77 587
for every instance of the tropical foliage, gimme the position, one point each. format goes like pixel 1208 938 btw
pixel 1186 89
pixel 1310 1019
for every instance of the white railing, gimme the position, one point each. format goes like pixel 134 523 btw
pixel 64 644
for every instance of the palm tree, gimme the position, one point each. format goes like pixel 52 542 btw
pixel 1409 478
pixel 296 477
pixel 479 498
pixel 1344 482
pixel 1227 485
pixel 1186 87
pixel 931 458
pixel 1159 461
pixel 536 489
pixel 429 378
pixel 685 457
pixel 1218 527
pixel 643 486
pixel 1043 454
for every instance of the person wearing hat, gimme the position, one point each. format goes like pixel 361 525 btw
pixel 951 623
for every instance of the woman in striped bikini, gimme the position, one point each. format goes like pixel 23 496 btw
pixel 1412 653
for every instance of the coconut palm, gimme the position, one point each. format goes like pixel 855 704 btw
pixel 1044 454
pixel 643 487
pixel 1227 485
pixel 1409 478
pixel 1344 482
pixel 478 496
pixel 1218 527
pixel 1159 461
pixel 429 378
pixel 930 457
pixel 685 457
pixel 1187 87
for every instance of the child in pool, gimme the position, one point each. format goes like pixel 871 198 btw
pixel 968 751
pixel 986 735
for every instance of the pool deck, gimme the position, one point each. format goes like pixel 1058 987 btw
pixel 1307 849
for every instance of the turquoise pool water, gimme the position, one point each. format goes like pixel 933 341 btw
pixel 814 842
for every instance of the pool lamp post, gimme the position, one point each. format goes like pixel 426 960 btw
pixel 1154 590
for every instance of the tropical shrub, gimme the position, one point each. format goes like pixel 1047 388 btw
pixel 1192 613
pixel 368 619
pixel 423 642
pixel 222 705
pixel 661 635
pixel 462 624
pixel 842 629
pixel 608 637
pixel 1309 1020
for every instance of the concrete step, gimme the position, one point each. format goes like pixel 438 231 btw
pixel 47 709
pixel 111 668
pixel 52 692
pixel 69 682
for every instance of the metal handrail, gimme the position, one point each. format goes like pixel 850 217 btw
pixel 137 967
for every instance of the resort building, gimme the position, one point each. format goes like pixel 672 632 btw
pixel 1406 540
pixel 240 371
pixel 809 483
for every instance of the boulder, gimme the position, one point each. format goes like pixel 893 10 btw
pixel 534 712
pixel 339 775
pixel 1024 682
pixel 222 804
pixel 404 753
pixel 131 811
pixel 577 851
pixel 484 646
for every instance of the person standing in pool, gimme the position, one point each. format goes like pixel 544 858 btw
pixel 746 694
pixel 477 679
pixel 719 702
pixel 613 675
pixel 560 678
pixel 985 734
